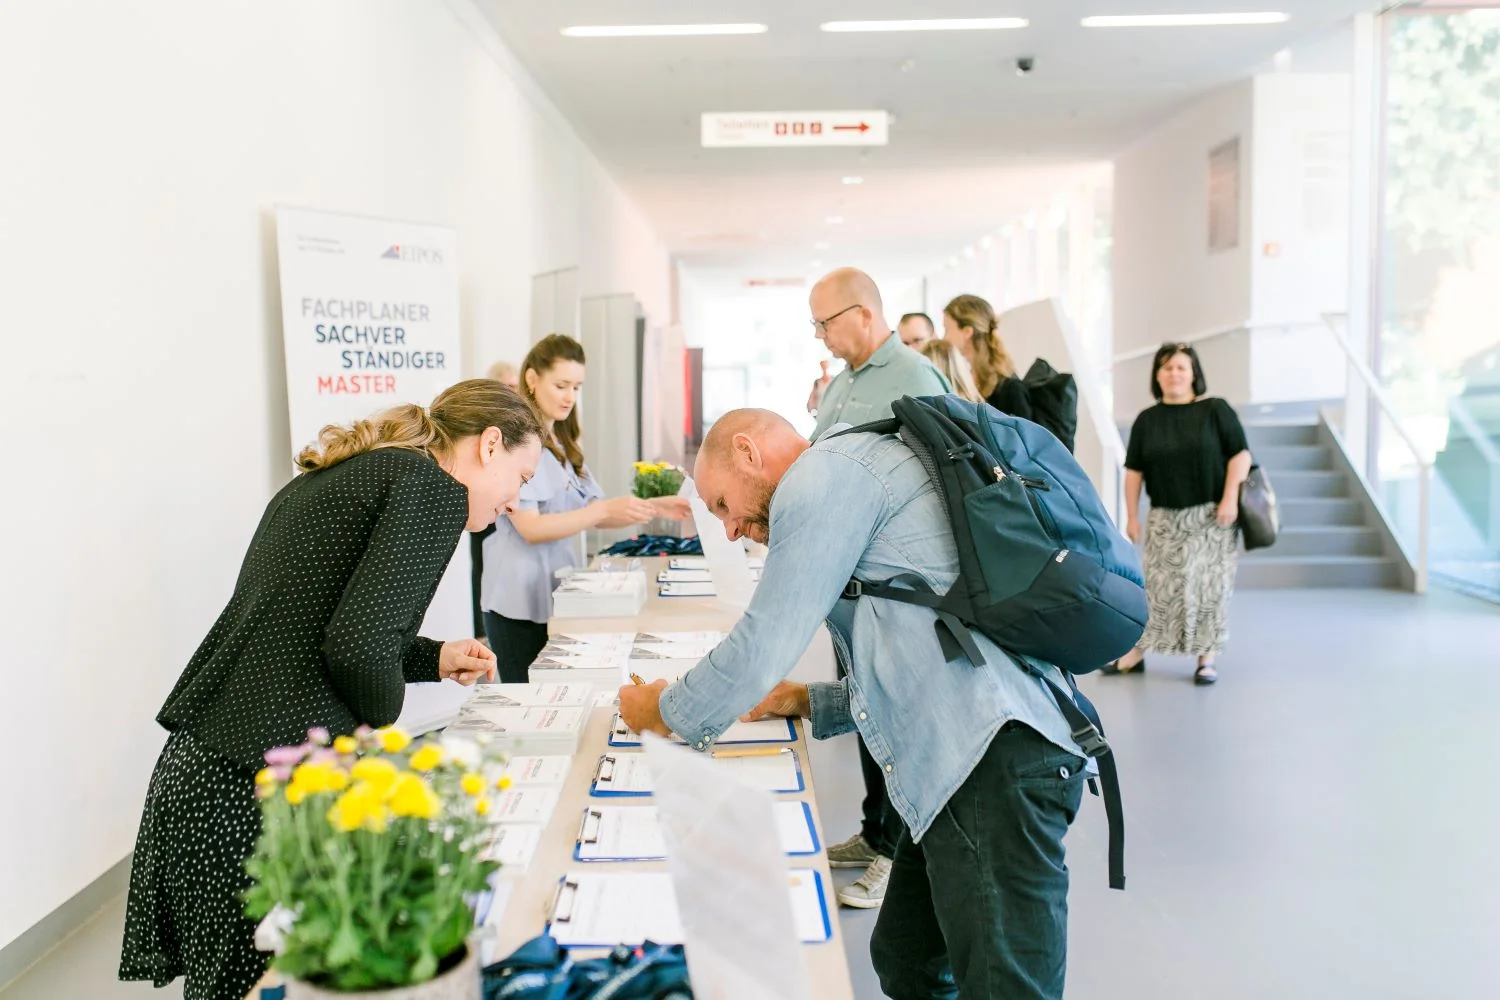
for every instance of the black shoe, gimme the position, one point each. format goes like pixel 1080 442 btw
pixel 1113 669
pixel 1204 680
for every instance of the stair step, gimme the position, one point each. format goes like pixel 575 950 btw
pixel 1309 484
pixel 1317 571
pixel 1304 512
pixel 1273 435
pixel 1324 540
pixel 1293 458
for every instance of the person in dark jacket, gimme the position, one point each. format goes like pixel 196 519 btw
pixel 320 632
pixel 970 323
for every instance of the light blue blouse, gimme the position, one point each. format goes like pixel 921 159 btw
pixel 518 577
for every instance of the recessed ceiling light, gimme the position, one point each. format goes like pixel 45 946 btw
pixel 661 30
pixel 854 180
pixel 985 242
pixel 932 24
pixel 1183 20
pixel 835 220
pixel 969 252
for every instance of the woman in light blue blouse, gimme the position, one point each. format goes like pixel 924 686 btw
pixel 523 555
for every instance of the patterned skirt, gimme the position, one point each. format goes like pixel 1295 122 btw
pixel 1190 565
pixel 185 915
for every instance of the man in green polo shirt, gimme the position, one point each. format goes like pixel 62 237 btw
pixel 847 315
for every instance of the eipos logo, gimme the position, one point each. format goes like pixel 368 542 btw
pixel 415 255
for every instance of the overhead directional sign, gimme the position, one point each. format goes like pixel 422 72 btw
pixel 795 128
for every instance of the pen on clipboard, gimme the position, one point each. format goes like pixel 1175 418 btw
pixel 752 752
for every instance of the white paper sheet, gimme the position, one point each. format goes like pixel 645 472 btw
pixel 531 695
pixel 762 731
pixel 602 909
pixel 524 805
pixel 514 845
pixel 634 833
pixel 727 562
pixel 544 770
pixel 630 774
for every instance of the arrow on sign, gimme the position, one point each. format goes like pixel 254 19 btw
pixel 861 127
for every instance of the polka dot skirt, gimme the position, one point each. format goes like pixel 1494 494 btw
pixel 185 916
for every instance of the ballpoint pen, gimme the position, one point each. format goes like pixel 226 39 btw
pixel 635 678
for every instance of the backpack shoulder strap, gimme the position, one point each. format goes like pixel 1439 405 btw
pixel 890 425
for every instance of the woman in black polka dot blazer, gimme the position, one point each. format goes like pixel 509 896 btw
pixel 321 631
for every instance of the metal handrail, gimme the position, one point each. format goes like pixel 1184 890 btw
pixel 1198 338
pixel 1425 462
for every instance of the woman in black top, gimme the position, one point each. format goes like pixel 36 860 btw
pixel 320 632
pixel 1189 451
pixel 970 323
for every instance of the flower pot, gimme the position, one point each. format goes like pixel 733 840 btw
pixel 459 983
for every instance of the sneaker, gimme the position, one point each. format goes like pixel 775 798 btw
pixel 868 891
pixel 855 852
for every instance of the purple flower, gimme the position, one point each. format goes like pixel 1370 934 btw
pixel 286 755
pixel 363 733
pixel 319 735
pixel 323 755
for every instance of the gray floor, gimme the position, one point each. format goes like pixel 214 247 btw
pixel 1319 825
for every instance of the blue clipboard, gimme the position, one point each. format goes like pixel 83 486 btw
pixel 608 764
pixel 584 838
pixel 557 914
pixel 621 736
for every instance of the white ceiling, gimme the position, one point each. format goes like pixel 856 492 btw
pixel 972 144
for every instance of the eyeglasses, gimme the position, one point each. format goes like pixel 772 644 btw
pixel 821 325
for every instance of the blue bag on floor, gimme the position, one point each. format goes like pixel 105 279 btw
pixel 541 969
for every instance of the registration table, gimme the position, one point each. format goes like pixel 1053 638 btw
pixel 532 894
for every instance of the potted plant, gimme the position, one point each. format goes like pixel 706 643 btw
pixel 373 847
pixel 659 479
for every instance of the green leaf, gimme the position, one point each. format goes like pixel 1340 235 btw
pixel 345 948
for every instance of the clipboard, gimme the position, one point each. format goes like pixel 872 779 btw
pixel 624 775
pixel 687 590
pixel 765 731
pixel 794 824
pixel 653 908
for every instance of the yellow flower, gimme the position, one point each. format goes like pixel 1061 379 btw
pixel 345 744
pixel 503 783
pixel 315 778
pixel 393 740
pixel 482 807
pixel 472 784
pixel 295 794
pixel 427 758
pixel 360 806
pixel 265 776
pixel 411 796
pixel 376 770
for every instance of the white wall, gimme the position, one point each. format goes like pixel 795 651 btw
pixel 145 145
pixel 1167 284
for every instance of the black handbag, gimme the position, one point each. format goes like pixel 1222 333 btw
pixel 1260 518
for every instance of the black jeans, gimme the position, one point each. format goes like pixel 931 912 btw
pixel 516 644
pixel 979 908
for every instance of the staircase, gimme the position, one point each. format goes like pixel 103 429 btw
pixel 1329 530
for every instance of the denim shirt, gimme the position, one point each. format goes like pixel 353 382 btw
pixel 861 505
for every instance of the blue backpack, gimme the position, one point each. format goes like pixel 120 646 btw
pixel 1043 571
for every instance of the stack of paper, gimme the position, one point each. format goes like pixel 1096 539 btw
pixel 514 846
pixel 531 696
pixel 530 730
pixel 540 771
pixel 600 595
pixel 600 661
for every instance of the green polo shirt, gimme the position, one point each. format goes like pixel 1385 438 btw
pixel 859 395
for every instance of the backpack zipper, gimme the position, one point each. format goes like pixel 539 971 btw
pixel 1027 481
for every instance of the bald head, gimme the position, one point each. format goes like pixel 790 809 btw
pixel 743 458
pixel 853 285
pixel 850 317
